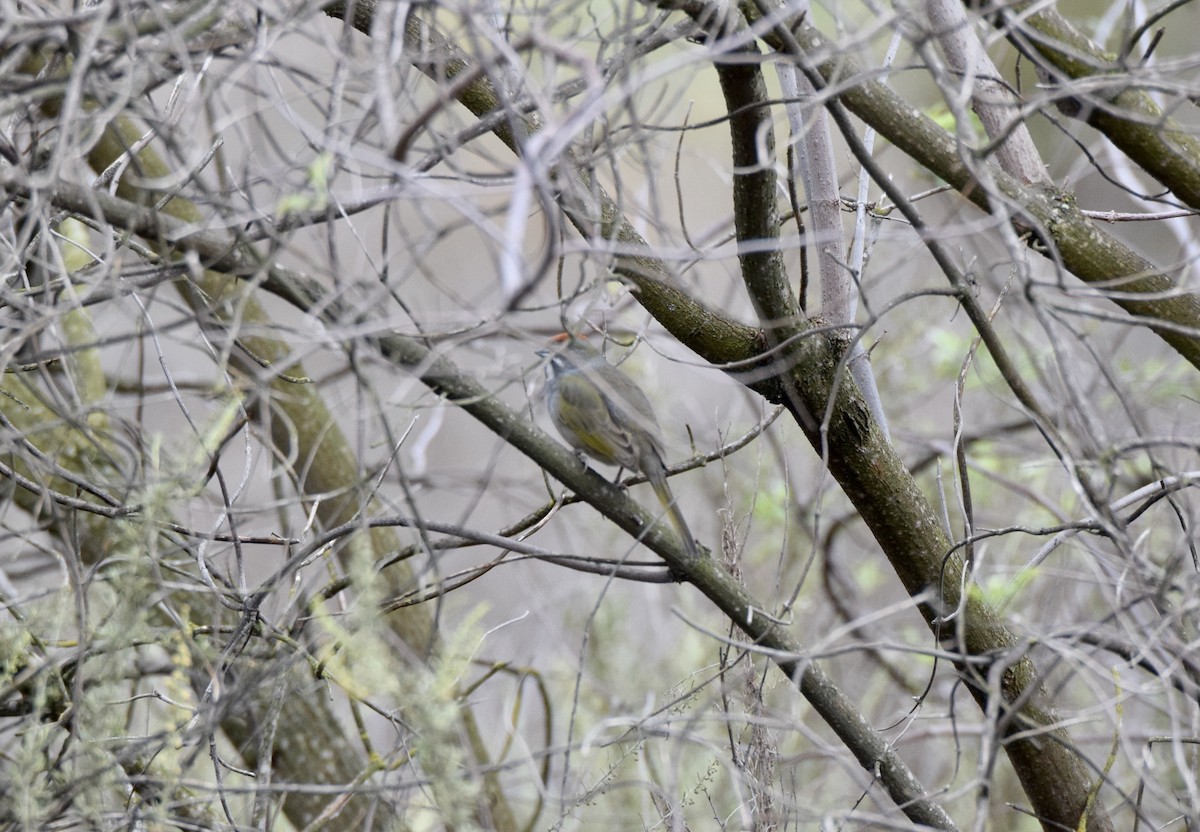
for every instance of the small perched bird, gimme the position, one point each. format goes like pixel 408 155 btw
pixel 602 412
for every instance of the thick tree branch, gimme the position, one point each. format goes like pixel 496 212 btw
pixel 298 420
pixel 1127 116
pixel 1054 222
pixel 860 458
pixel 756 191
pixel 978 80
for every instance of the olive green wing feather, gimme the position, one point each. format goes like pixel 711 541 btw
pixel 583 412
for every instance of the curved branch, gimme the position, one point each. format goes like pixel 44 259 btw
pixel 1127 116
pixel 1054 223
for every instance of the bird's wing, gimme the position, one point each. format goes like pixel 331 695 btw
pixel 584 411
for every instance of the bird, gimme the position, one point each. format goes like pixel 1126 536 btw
pixel 603 413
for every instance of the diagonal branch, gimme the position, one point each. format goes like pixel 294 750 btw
pixel 859 457
pixel 1054 223
pixel 1130 118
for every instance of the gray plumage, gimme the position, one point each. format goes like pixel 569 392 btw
pixel 603 413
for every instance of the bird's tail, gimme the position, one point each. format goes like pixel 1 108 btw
pixel 656 472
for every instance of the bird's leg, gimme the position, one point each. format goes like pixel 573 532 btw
pixel 617 480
